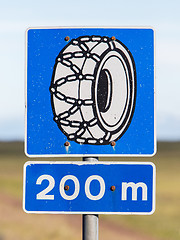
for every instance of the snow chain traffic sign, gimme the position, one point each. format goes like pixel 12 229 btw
pixel 90 92
pixel 89 188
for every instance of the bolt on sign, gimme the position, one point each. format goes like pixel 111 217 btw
pixel 90 92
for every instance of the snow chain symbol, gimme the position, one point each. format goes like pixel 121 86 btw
pixel 93 90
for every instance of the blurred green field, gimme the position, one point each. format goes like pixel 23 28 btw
pixel 163 224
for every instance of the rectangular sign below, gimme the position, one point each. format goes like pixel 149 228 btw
pixel 89 188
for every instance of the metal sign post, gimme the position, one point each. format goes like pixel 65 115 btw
pixel 90 223
pixel 90 230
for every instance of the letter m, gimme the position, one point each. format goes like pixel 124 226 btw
pixel 134 187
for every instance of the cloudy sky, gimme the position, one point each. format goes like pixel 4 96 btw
pixel 17 16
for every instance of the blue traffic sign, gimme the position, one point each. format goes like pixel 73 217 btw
pixel 81 187
pixel 90 92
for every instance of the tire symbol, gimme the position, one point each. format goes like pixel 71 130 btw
pixel 93 90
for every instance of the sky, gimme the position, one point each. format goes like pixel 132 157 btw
pixel 17 16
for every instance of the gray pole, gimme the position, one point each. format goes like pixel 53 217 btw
pixel 90 222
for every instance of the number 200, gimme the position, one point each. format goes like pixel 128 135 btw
pixel 43 195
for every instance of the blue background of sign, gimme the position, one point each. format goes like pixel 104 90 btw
pixel 113 174
pixel 43 134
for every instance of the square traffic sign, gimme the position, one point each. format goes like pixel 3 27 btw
pixel 90 92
